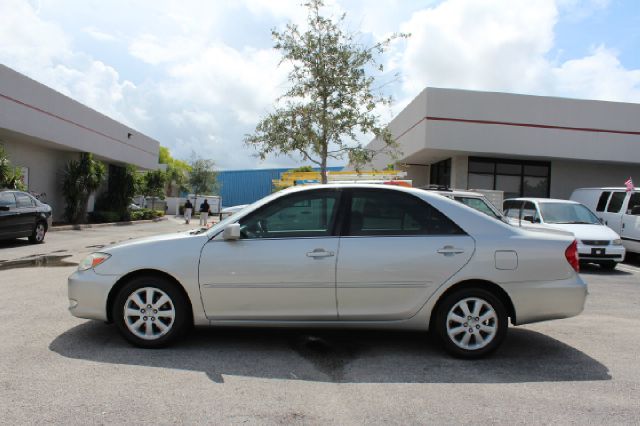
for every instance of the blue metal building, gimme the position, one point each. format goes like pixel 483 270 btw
pixel 247 186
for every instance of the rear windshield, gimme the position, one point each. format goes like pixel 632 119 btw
pixel 478 204
pixel 567 213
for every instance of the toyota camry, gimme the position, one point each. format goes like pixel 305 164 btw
pixel 338 255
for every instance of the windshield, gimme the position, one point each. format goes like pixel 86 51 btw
pixel 480 205
pixel 567 213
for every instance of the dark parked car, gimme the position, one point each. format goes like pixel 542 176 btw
pixel 22 215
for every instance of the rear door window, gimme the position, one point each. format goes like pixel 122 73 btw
pixel 634 204
pixel 615 204
pixel 375 212
pixel 602 201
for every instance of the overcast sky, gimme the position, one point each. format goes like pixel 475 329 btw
pixel 198 74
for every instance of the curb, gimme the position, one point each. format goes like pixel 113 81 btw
pixel 102 225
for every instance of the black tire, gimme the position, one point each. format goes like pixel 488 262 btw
pixel 39 232
pixel 500 322
pixel 608 266
pixel 180 324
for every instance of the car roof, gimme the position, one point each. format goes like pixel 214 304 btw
pixel 457 193
pixel 604 188
pixel 383 186
pixel 542 200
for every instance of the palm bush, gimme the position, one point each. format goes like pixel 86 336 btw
pixel 81 178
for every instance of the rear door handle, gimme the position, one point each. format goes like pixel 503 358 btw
pixel 450 250
pixel 320 253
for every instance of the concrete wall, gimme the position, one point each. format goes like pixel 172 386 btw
pixel 35 110
pixel 569 175
pixel 45 170
pixel 409 134
pixel 441 123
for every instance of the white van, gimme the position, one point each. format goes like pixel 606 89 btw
pixel 618 208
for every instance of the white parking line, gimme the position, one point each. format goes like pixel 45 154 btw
pixel 628 268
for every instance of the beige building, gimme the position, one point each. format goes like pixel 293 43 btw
pixel 523 145
pixel 41 130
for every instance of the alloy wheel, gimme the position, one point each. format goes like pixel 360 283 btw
pixel 149 313
pixel 472 323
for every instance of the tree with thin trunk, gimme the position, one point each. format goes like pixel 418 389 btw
pixel 202 177
pixel 331 100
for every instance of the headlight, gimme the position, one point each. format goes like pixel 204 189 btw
pixel 93 260
pixel 617 242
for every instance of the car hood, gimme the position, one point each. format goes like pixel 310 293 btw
pixel 586 232
pixel 153 240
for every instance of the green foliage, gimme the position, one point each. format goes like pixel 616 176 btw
pixel 81 178
pixel 202 178
pixel 331 99
pixel 176 174
pixel 146 214
pixel 302 169
pixel 10 177
pixel 120 191
pixel 153 182
pixel 104 216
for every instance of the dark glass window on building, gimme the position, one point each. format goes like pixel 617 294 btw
pixel 440 173
pixel 514 177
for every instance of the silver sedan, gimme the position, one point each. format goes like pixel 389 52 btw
pixel 368 256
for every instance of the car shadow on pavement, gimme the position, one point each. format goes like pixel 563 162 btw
pixel 349 356
pixel 590 269
pixel 18 242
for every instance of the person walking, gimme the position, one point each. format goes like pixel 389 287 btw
pixel 205 209
pixel 188 209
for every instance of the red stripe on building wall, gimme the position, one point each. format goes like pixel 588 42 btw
pixel 509 123
pixel 66 120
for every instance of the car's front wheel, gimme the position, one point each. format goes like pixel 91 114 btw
pixel 151 312
pixel 471 322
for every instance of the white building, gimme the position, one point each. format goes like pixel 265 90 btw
pixel 41 130
pixel 520 144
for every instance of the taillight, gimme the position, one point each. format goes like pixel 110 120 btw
pixel 571 253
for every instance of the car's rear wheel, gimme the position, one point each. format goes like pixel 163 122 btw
pixel 471 322
pixel 39 231
pixel 151 312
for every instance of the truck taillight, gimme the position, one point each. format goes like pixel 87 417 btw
pixel 571 253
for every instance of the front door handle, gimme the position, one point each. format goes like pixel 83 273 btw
pixel 450 250
pixel 319 253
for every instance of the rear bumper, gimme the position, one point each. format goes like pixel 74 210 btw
pixel 547 300
pixel 88 293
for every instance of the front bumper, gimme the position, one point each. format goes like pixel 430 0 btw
pixel 535 301
pixel 88 293
pixel 601 253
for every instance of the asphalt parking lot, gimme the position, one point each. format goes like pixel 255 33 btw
pixel 55 368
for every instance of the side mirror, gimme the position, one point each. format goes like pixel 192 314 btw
pixel 231 232
pixel 4 208
pixel 528 219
